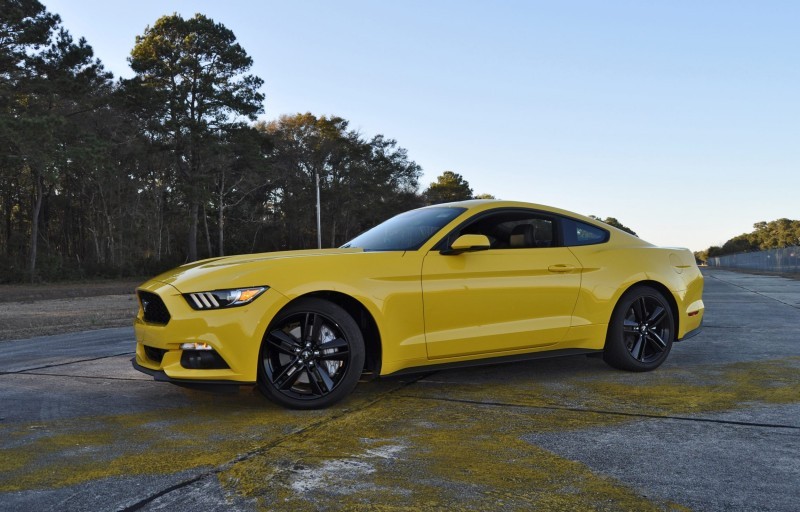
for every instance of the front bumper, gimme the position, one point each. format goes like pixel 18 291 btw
pixel 160 376
pixel 694 332
pixel 234 334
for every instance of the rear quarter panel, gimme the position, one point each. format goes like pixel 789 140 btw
pixel 609 270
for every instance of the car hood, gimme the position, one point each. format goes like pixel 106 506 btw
pixel 241 270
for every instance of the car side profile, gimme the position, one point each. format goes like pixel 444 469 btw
pixel 464 283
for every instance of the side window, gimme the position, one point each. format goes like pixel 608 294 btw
pixel 514 230
pixel 581 233
pixel 530 233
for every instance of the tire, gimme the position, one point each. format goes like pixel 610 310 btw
pixel 312 355
pixel 641 331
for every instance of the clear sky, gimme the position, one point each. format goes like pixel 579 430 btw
pixel 679 118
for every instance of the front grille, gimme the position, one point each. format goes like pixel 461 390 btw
pixel 154 354
pixel 155 312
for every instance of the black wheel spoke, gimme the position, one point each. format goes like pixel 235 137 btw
pixel 638 348
pixel 658 314
pixel 320 375
pixel 630 326
pixel 337 355
pixel 334 349
pixel 288 376
pixel 305 328
pixel 316 326
pixel 335 343
pixel 639 309
pixel 653 336
pixel 313 380
pixel 283 342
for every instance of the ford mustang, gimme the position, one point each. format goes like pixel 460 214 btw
pixel 464 283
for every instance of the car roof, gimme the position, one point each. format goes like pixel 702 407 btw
pixel 477 205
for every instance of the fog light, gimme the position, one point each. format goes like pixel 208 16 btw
pixel 196 346
pixel 202 360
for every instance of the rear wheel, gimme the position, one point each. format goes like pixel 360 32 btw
pixel 312 355
pixel 641 331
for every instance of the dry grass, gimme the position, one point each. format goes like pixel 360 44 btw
pixel 39 310
pixel 66 290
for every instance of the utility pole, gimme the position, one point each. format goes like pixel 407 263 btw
pixel 319 222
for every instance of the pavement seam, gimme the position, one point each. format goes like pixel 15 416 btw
pixel 264 449
pixel 141 503
pixel 753 291
pixel 56 365
pixel 611 413
pixel 96 377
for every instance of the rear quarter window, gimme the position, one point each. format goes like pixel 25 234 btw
pixel 581 233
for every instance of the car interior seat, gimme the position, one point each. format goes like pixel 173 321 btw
pixel 523 235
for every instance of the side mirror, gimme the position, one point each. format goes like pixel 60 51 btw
pixel 468 243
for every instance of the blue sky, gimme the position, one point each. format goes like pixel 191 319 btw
pixel 680 118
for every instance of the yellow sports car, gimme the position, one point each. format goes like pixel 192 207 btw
pixel 447 285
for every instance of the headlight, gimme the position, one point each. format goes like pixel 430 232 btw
pixel 219 299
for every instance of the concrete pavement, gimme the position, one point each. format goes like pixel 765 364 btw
pixel 717 427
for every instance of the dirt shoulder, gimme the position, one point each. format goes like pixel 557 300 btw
pixel 67 290
pixel 39 310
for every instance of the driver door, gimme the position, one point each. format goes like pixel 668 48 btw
pixel 517 295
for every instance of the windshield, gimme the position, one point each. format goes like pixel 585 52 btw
pixel 407 231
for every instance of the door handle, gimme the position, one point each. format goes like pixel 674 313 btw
pixel 561 268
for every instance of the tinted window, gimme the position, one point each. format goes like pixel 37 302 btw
pixel 581 233
pixel 407 231
pixel 512 229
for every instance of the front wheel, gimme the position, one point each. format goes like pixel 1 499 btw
pixel 641 331
pixel 312 355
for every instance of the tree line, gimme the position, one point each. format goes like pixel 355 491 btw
pixel 105 177
pixel 776 234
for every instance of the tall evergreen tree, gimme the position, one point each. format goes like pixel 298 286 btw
pixel 49 82
pixel 195 72
pixel 449 187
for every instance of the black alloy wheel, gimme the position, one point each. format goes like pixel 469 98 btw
pixel 312 355
pixel 641 331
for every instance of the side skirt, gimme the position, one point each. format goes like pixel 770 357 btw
pixel 495 360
